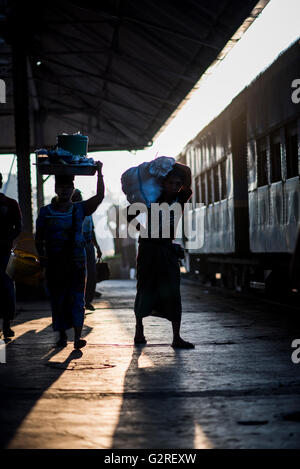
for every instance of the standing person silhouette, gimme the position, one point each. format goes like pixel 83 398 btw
pixel 61 247
pixel 158 272
pixel 10 228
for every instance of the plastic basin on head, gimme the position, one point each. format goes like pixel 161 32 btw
pixel 77 144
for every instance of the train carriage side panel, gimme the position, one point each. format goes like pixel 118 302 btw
pixel 273 172
pixel 210 159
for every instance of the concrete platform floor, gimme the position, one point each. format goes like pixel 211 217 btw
pixel 238 389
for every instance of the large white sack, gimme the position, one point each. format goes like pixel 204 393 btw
pixel 148 189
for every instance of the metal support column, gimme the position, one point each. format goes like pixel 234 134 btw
pixel 22 130
pixel 39 140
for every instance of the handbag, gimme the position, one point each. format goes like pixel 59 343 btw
pixel 178 250
pixel 102 271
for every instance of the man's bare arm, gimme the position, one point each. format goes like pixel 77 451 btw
pixel 187 175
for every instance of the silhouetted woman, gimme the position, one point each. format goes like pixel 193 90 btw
pixel 61 247
pixel 158 271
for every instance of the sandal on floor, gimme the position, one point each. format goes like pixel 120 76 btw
pixel 78 344
pixel 8 333
pixel 141 341
pixel 61 343
pixel 183 344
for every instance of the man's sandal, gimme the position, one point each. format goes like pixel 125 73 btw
pixel 62 342
pixel 78 344
pixel 183 344
pixel 140 341
pixel 8 333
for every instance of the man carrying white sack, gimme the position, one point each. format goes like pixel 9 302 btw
pixel 158 273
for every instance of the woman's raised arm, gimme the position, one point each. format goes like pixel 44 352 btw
pixel 91 205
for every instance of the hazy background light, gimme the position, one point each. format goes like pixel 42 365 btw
pixel 272 32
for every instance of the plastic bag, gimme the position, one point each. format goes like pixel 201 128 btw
pixel 143 183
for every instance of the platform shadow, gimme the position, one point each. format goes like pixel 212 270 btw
pixel 23 380
pixel 154 412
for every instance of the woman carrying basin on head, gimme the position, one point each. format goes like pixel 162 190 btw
pixel 61 247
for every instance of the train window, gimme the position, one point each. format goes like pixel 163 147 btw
pixel 206 153
pixel 216 184
pixel 291 141
pixel 262 162
pixel 198 157
pixel 195 153
pixel 209 187
pixel 195 160
pixel 200 150
pixel 197 189
pixel 208 149
pixel 212 147
pixel 275 156
pixel 188 159
pixel 192 153
pixel 203 190
pixel 223 180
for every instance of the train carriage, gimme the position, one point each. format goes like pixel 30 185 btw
pixel 246 192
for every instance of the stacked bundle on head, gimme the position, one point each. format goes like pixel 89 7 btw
pixel 68 157
pixel 143 183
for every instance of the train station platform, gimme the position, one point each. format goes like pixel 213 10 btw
pixel 237 389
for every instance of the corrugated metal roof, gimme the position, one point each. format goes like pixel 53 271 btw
pixel 118 69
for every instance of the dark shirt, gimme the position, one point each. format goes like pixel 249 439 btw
pixel 10 222
pixel 54 230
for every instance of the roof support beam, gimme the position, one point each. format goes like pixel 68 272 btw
pixel 73 109
pixel 119 55
pixel 125 133
pixel 38 127
pixel 155 67
pixel 172 32
pixel 143 23
pixel 114 82
pixel 86 93
pixel 71 41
